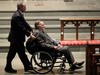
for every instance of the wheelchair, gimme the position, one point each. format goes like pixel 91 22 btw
pixel 43 62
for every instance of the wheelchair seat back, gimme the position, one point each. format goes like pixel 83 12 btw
pixel 31 46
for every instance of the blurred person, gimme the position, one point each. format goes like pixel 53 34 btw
pixel 19 28
pixel 44 42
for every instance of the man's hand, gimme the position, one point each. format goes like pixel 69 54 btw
pixel 33 37
pixel 59 45
pixel 56 47
pixel 32 31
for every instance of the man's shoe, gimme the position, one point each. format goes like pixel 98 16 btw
pixel 79 64
pixel 27 69
pixel 73 67
pixel 10 70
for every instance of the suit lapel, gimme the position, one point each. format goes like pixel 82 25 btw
pixel 42 33
pixel 45 36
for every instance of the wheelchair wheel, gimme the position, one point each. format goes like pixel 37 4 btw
pixel 42 62
pixel 60 70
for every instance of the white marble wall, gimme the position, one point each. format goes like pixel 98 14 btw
pixel 52 4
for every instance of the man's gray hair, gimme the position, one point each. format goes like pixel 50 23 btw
pixel 37 23
pixel 20 4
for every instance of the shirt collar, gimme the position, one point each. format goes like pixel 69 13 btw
pixel 21 12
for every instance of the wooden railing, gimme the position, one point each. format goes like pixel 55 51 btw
pixel 77 21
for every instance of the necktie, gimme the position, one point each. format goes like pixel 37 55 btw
pixel 49 38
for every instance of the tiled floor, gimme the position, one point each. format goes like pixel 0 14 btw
pixel 79 56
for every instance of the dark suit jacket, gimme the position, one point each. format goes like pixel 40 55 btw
pixel 43 41
pixel 40 43
pixel 19 28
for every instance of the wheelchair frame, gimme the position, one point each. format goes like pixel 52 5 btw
pixel 43 62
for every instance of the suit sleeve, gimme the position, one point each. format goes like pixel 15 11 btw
pixel 41 41
pixel 21 26
pixel 28 26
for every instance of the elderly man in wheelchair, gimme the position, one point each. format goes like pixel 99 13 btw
pixel 46 51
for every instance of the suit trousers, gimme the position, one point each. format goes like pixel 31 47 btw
pixel 20 49
pixel 67 53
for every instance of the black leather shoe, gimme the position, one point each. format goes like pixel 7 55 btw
pixel 73 67
pixel 10 70
pixel 27 69
pixel 79 64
